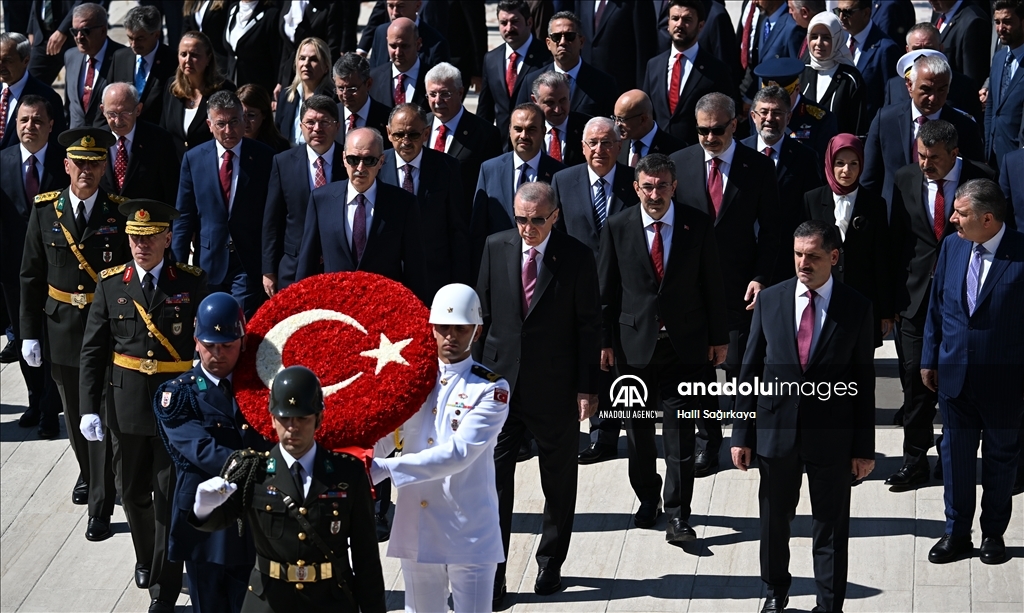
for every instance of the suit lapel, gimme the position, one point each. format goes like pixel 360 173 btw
pixel 904 122
pixel 515 269
pixel 164 286
pixel 507 195
pixel 546 271
pixel 638 235
pixel 318 483
pixel 134 158
pixel 282 478
pixel 134 286
pixel 1000 262
pixel 788 315
pixel 338 211
pixel 381 208
pixel 731 188
pixel 829 325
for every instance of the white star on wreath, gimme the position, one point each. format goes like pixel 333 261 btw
pixel 387 352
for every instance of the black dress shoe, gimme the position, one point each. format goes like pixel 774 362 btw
pixel 48 432
pixel 598 453
pixel 950 548
pixel 908 476
pixel 99 529
pixel 704 464
pixel 647 515
pixel 993 550
pixel 549 581
pixel 11 353
pixel 498 599
pixel 161 606
pixel 141 576
pixel 775 605
pixel 383 528
pixel 30 418
pixel 679 531
pixel 80 495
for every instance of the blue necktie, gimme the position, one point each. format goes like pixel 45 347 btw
pixel 767 31
pixel 600 203
pixel 140 75
pixel 1004 83
pixel 974 278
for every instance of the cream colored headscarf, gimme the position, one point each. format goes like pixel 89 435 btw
pixel 840 42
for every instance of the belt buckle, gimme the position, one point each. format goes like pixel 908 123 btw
pixel 148 367
pixel 79 300
pixel 301 574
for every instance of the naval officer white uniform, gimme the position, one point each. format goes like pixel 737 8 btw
pixel 446 529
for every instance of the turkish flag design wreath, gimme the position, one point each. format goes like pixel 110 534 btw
pixel 365 336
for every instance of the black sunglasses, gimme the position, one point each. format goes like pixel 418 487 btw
pixel 534 221
pixel 840 13
pixel 717 130
pixel 83 31
pixel 368 161
pixel 557 37
pixel 405 135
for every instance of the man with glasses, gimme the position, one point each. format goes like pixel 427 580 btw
pixel 143 162
pixel 356 108
pixel 563 129
pixel 641 134
pixel 295 173
pixel 541 331
pixel 808 123
pixel 874 53
pixel 222 194
pixel 88 66
pixel 145 63
pixel 344 221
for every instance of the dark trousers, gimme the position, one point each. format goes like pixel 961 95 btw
pixel 605 430
pixel 556 431
pixel 662 378
pixel 709 431
pixel 966 420
pixel 246 288
pixel 42 392
pixel 95 458
pixel 216 588
pixel 147 482
pixel 918 401
pixel 778 495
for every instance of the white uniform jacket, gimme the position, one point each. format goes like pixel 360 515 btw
pixel 447 509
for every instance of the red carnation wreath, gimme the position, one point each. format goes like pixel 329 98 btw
pixel 365 336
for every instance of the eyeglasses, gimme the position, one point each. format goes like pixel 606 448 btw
pixel 317 125
pixel 594 144
pixel 618 119
pixel 652 188
pixel 368 161
pixel 557 37
pixel 222 125
pixel 841 13
pixel 443 95
pixel 83 31
pixel 534 221
pixel 123 115
pixel 766 113
pixel 350 90
pixel 717 130
pixel 405 135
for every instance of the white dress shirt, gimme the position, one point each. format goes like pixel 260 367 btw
pixel 541 248
pixel 89 202
pixel 241 21
pixel 350 211
pixel 860 37
pixel 821 302
pixel 306 462
pixel 609 179
pixel 235 165
pixel 450 126
pixel 531 171
pixel 149 57
pixel 573 74
pixel 824 79
pixel 415 164
pixel 39 155
pixel 776 148
pixel 724 164
pixel 952 180
pixel 15 95
pixel 988 258
pixel 155 271
pixel 293 18
pixel 129 138
pixel 96 71
pixel 311 165
pixel 689 57
pixel 844 210
pixel 361 115
pixel 297 137
pixel 668 221
pixel 411 76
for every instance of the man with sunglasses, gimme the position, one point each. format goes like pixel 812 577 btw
pixel 88 66
pixel 641 134
pixel 346 221
pixel 874 54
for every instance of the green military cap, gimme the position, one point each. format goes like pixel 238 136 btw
pixel 296 392
pixel 146 217
pixel 87 143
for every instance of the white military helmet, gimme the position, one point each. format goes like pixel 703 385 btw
pixel 456 304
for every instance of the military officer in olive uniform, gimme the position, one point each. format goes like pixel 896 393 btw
pixel 72 235
pixel 141 322
pixel 306 507
pixel 810 124
pixel 202 426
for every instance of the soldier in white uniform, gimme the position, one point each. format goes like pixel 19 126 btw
pixel 446 529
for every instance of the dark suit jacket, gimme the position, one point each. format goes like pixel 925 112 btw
pixel 845 97
pixel 161 74
pixel 594 93
pixel 877 65
pixel 797 172
pixel 393 243
pixel 258 51
pixel 663 142
pixel 285 215
pixel 35 87
pixel 433 51
pixel 442 213
pixel 864 261
pixel 785 40
pixel 495 105
pixel 967 40
pixel 689 301
pixel 474 142
pixel 888 146
pixel 153 167
pixel 205 216
pixel 467 36
pixel 376 118
pixel 573 195
pixel 321 18
pixel 1003 110
pixel 894 17
pixel 572 152
pixel 718 35
pixel 284 116
pixel 914 246
pixel 382 90
pixel 1012 183
pixel 15 206
pixel 708 74
pixel 751 196
pixel 963 95
pixel 557 345
pixel 74 63
pixel 830 431
pixel 173 120
pixel 624 40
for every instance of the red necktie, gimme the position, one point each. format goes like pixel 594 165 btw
pixel 31 179
pixel 5 101
pixel 351 122
pixel 87 90
pixel 853 46
pixel 806 332
pixel 400 90
pixel 768 151
pixel 319 178
pixel 940 22
pixel 939 222
pixel 715 188
pixel 921 120
pixel 442 135
pixel 635 158
pixel 658 253
pixel 598 12
pixel 120 163
pixel 529 280
pixel 407 181
pixel 803 48
pixel 677 79
pixel 555 148
pixel 745 43
pixel 226 171
pixel 510 73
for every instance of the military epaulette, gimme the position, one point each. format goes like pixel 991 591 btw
pixel 483 373
pixel 110 272
pixel 816 112
pixel 192 270
pixel 119 200
pixel 47 197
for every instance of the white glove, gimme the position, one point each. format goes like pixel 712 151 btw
pixel 211 494
pixel 32 352
pixel 91 427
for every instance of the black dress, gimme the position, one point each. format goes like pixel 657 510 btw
pixel 845 97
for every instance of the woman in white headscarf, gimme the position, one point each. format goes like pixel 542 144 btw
pixel 832 80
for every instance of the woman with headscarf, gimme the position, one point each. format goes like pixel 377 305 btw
pixel 832 80
pixel 860 219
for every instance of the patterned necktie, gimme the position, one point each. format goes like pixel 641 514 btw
pixel 32 179
pixel 853 46
pixel 600 203
pixel 400 89
pixel 1004 83
pixel 140 75
pixel 147 288
pixel 226 171
pixel 359 228
pixel 5 101
pixel 715 188
pixel 87 90
pixel 745 43
pixel 974 278
pixel 319 177
pixel 677 79
pixel 805 334
pixel 529 280
pixel 80 219
pixel 510 73
pixel 939 220
pixel 658 253
pixel 407 181
pixel 120 163
pixel 921 120
pixel 299 474
pixel 442 135
pixel 634 159
pixel 555 148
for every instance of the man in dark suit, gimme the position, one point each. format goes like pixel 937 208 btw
pixel 1004 108
pixel 221 197
pixel 966 34
pixel 775 35
pixel 501 86
pixel 352 82
pixel 539 295
pixel 318 163
pixel 379 231
pixel 641 134
pixel 973 358
pixel 400 80
pixel 146 63
pixel 454 130
pixel 592 90
pixel 663 307
pixel 874 53
pixel 892 138
pixel 1012 183
pixel 622 37
pixel 894 17
pixel 436 181
pixel 678 78
pixel 17 82
pixel 49 26
pixel 563 129
pixel 829 434
pixel 88 66
pixel 501 177
pixel 809 123
pixel 434 48
pixel 921 203
pixel 142 162
pixel 718 36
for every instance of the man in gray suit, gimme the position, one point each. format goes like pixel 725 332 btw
pixel 88 66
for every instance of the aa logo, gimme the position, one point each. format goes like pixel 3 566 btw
pixel 626 393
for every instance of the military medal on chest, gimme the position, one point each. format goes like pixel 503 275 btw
pixel 455 425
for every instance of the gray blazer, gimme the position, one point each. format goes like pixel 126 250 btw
pixel 74 63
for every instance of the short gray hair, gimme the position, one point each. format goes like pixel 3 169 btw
pixel 224 100
pixel 90 10
pixel 409 107
pixel 350 64
pixel 127 88
pixel 985 196
pixel 934 63
pixel 536 192
pixel 146 18
pixel 377 138
pixel 21 44
pixel 551 79
pixel 716 102
pixel 603 122
pixel 444 72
